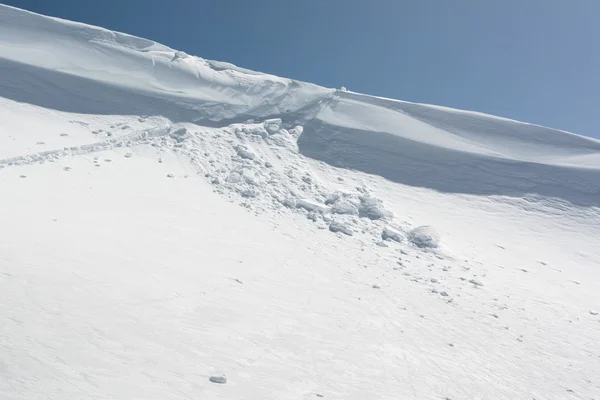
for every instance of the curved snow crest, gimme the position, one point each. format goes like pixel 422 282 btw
pixel 453 152
pixel 141 65
pixel 78 68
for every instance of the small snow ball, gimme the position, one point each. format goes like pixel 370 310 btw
pixel 424 237
pixel 222 379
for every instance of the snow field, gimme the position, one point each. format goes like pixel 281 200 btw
pixel 173 227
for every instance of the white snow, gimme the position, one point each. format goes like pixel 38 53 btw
pixel 169 222
pixel 424 236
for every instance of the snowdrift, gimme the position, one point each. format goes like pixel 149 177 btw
pixel 78 68
pixel 173 227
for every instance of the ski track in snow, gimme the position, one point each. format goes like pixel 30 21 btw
pixel 375 249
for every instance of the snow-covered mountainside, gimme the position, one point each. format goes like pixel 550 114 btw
pixel 165 220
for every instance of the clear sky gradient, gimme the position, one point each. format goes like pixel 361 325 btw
pixel 533 60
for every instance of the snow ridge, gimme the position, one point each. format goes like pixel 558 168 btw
pixel 408 143
pixel 375 248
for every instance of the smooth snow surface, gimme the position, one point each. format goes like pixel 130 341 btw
pixel 173 227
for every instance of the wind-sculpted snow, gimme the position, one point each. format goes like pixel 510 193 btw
pixel 77 68
pixel 374 248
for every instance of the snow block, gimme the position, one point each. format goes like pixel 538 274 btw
pixel 272 125
pixel 289 202
pixel 372 208
pixel 344 207
pixel 337 226
pixel 424 237
pixel 391 234
pixel 311 205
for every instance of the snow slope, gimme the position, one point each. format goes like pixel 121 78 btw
pixel 165 219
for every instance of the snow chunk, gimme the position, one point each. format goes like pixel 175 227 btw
pixel 272 125
pixel 250 177
pixel 297 130
pixel 476 282
pixel 391 234
pixel 234 177
pixel 289 202
pixel 344 207
pixel 424 236
pixel 257 130
pixel 372 208
pixel 222 379
pixel 333 198
pixel 311 205
pixel 179 135
pixel 314 216
pixel 244 153
pixel 337 226
pixel 249 193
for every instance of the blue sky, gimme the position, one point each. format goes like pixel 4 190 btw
pixel 533 60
